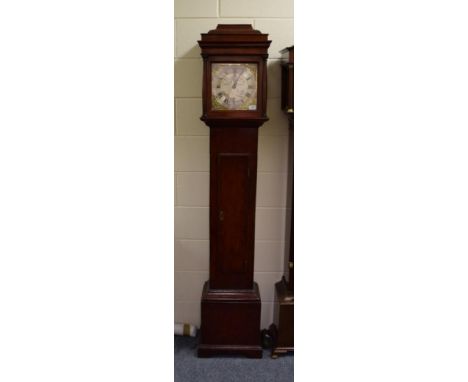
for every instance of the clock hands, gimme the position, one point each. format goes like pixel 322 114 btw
pixel 237 79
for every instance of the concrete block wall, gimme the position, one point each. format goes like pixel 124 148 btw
pixel 193 17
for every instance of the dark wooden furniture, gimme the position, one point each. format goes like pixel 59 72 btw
pixel 234 107
pixel 282 329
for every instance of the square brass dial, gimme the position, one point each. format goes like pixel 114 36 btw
pixel 234 86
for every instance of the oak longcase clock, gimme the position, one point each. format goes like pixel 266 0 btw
pixel 234 107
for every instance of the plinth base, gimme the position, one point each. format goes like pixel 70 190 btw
pixel 230 322
pixel 282 330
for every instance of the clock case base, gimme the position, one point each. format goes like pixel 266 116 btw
pixel 230 322
pixel 282 329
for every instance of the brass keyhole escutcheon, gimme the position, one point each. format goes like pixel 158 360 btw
pixel 221 215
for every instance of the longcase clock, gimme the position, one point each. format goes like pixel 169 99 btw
pixel 282 329
pixel 234 107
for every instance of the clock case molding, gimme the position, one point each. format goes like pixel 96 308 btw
pixel 231 305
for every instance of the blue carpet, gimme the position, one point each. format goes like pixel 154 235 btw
pixel 190 368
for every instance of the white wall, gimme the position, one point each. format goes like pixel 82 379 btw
pixel 274 17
